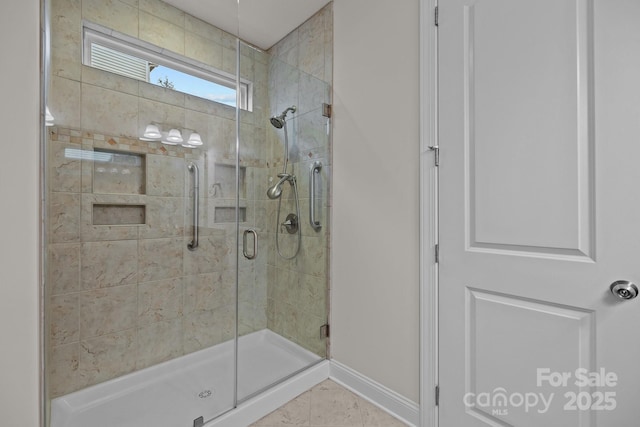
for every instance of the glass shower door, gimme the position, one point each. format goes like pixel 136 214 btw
pixel 282 291
pixel 141 320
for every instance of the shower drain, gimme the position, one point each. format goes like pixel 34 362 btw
pixel 204 394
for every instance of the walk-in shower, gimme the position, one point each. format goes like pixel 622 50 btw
pixel 170 298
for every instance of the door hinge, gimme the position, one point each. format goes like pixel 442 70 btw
pixel 325 331
pixel 326 110
pixel 437 395
pixel 435 18
pixel 436 152
pixel 437 253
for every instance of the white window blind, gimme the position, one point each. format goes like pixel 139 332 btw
pixel 120 63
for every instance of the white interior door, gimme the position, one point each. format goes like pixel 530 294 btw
pixel 539 130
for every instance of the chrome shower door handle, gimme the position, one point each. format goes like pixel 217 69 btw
pixel 255 244
pixel 313 171
pixel 193 168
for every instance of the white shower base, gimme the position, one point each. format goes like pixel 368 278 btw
pixel 176 392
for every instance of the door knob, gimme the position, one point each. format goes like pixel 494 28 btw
pixel 624 289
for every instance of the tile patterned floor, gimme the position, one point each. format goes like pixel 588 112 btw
pixel 328 405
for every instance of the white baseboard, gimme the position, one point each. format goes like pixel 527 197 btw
pixel 252 410
pixel 388 400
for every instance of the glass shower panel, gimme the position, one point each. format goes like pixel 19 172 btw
pixel 282 291
pixel 141 320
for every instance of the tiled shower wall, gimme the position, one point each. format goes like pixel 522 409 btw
pixel 127 295
pixel 300 73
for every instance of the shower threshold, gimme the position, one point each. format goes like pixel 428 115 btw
pixel 177 392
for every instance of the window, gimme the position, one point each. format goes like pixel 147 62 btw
pixel 117 53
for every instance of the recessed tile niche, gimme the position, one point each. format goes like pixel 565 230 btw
pixel 113 214
pixel 118 173
pixel 225 181
pixel 228 214
pixel 121 173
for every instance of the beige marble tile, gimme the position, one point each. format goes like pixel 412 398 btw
pixel 165 217
pixel 158 342
pixel 159 301
pixel 114 14
pixel 212 254
pixel 322 403
pixel 109 112
pixel 108 80
pixel 201 330
pixel 229 60
pixel 167 115
pixel 63 369
pixel 64 217
pixel 295 413
pixel 207 292
pixel 206 106
pixel 107 357
pixel 159 32
pixel 313 295
pixel 334 406
pixel 65 102
pixel 106 264
pixel 312 46
pixel 65 319
pixel 308 333
pixel 287 286
pixel 109 310
pixel 66 44
pixel 203 49
pixel 63 268
pixel 64 167
pixel 225 321
pixel 312 257
pixel 154 92
pixel 160 259
pixel 166 176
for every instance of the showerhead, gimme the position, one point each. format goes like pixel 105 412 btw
pixel 278 121
pixel 275 191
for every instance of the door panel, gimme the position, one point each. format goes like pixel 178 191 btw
pixel 527 126
pixel 538 119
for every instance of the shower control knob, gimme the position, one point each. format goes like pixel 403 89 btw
pixel 624 289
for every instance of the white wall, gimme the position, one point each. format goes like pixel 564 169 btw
pixel 19 87
pixel 375 231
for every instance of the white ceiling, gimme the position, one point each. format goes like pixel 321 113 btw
pixel 260 22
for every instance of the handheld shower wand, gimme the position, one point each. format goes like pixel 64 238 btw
pixel 275 191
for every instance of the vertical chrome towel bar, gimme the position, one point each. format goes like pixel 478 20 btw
pixel 313 171
pixel 193 168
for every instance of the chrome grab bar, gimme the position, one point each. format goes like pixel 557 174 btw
pixel 315 169
pixel 193 168
pixel 255 243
